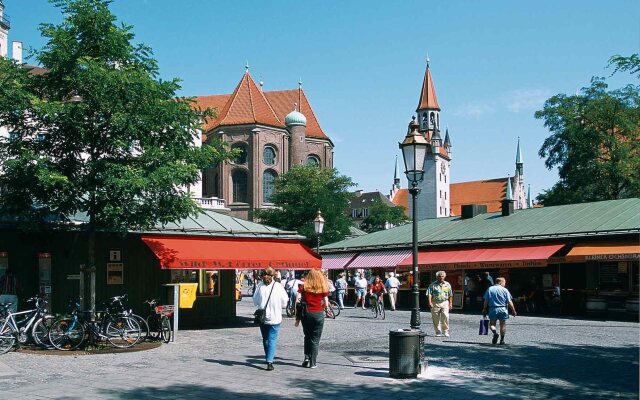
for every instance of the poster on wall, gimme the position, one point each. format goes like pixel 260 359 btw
pixel 114 274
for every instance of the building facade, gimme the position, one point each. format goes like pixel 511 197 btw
pixel 272 132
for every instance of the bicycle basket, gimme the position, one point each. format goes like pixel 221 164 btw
pixel 164 310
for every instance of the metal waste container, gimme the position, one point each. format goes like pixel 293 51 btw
pixel 405 352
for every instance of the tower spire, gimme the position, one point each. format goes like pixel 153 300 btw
pixel 396 175
pixel 519 163
pixel 246 67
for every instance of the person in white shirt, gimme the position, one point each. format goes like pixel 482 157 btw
pixel 392 284
pixel 271 297
pixel 361 290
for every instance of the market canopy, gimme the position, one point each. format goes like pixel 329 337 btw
pixel 230 253
pixel 337 261
pixel 605 251
pixel 523 256
pixel 379 259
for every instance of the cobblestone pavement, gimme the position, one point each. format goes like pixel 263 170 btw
pixel 544 358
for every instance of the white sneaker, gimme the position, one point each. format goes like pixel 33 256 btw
pixel 446 334
pixel 438 334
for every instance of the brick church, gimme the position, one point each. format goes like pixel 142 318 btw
pixel 273 131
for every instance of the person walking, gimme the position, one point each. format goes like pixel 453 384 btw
pixel 341 290
pixel 314 293
pixel 392 284
pixel 271 297
pixel 361 290
pixel 498 302
pixel 440 300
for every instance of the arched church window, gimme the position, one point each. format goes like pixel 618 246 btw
pixel 313 161
pixel 425 119
pixel 239 182
pixel 268 185
pixel 269 155
pixel 241 158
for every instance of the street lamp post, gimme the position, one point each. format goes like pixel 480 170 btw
pixel 414 150
pixel 318 226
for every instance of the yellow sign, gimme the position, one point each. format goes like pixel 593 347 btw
pixel 187 294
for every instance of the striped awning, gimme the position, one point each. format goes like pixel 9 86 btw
pixel 337 261
pixel 379 259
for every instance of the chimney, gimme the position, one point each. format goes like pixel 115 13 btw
pixel 17 51
pixel 507 207
pixel 472 210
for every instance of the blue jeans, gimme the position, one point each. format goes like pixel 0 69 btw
pixel 340 294
pixel 269 340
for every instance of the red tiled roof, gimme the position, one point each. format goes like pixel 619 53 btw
pixel 489 192
pixel 428 97
pixel 282 102
pixel 402 199
pixel 249 105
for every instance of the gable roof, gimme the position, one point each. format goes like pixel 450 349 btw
pixel 250 105
pixel 603 218
pixel 365 200
pixel 401 198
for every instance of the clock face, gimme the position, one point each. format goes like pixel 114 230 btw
pixel 443 167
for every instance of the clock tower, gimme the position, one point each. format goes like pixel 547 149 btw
pixel 434 200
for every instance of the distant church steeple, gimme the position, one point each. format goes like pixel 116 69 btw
pixel 428 109
pixel 396 176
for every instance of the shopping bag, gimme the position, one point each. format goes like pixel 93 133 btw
pixel 484 327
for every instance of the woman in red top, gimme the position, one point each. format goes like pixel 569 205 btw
pixel 377 290
pixel 314 293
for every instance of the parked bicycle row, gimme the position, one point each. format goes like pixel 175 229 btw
pixel 116 326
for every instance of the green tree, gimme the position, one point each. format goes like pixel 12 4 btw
pixel 595 141
pixel 302 191
pixel 381 214
pixel 99 133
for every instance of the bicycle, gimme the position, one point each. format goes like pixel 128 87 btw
pixel 71 332
pixel 377 307
pixel 332 310
pixel 35 323
pixel 157 321
pixel 116 301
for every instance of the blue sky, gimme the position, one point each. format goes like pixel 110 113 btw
pixel 362 64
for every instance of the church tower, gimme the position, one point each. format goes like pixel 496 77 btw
pixel 519 194
pixel 4 32
pixel 434 200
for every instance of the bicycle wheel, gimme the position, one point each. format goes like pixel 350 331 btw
pixel 144 327
pixel 328 312
pixel 336 308
pixel 381 310
pixel 40 331
pixel 66 334
pixel 153 322
pixel 123 332
pixel 374 310
pixel 7 338
pixel 165 326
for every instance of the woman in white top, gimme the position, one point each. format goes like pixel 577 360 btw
pixel 270 296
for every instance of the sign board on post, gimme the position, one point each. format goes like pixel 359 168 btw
pixel 187 294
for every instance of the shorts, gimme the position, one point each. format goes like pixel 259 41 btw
pixel 498 313
pixel 360 292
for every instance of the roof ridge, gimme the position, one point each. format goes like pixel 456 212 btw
pixel 227 107
pixel 251 105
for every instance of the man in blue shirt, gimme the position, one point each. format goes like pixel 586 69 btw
pixel 498 302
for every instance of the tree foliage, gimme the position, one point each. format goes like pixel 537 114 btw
pixel 382 214
pixel 99 133
pixel 595 141
pixel 302 191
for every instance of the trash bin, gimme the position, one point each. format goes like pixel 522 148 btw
pixel 404 353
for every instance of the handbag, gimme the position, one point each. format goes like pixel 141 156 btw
pixel 260 315
pixel 484 327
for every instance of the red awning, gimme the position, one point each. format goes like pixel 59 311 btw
pixel 495 257
pixel 336 261
pixel 230 253
pixel 379 259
